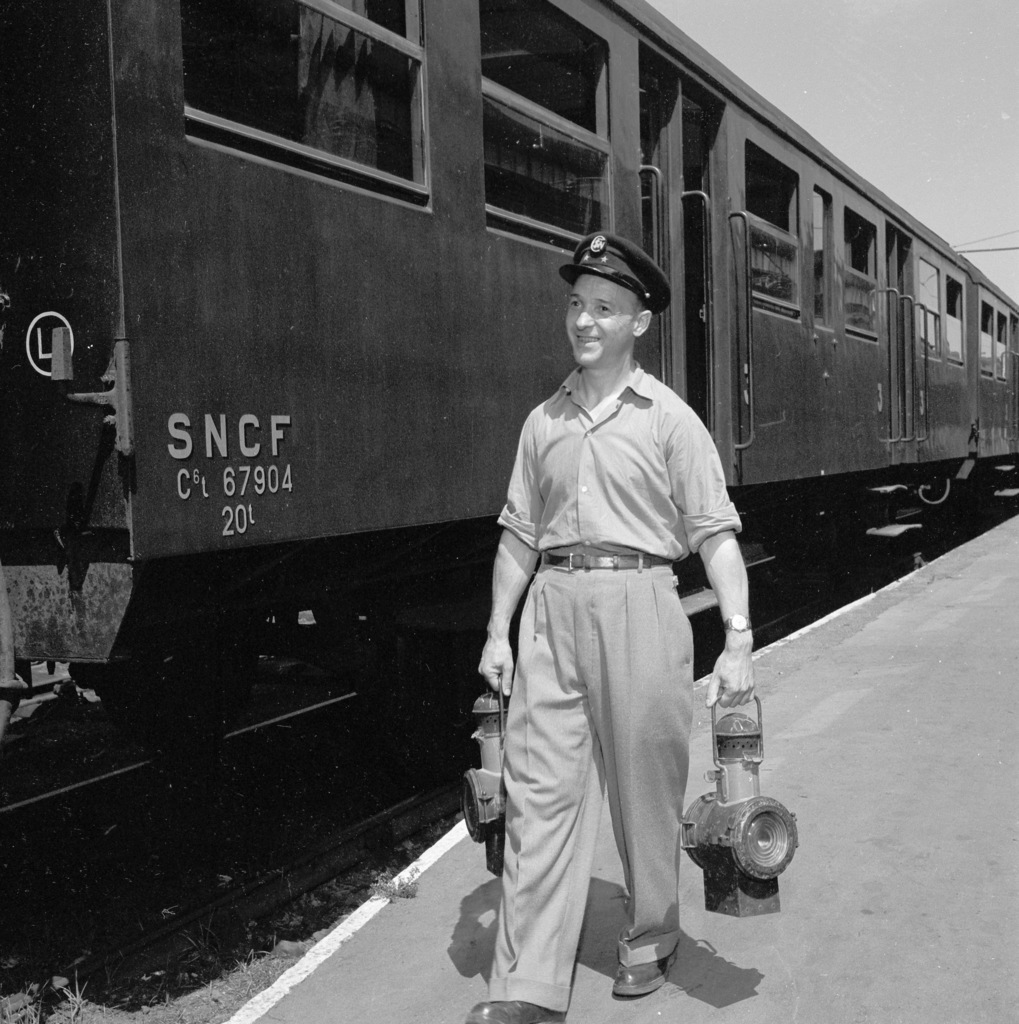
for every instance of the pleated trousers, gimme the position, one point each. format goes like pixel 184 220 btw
pixel 602 703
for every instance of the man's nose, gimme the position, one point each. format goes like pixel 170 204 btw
pixel 584 319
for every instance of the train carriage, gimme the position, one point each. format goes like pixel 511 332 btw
pixel 280 286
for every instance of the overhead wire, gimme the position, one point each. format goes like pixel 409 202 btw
pixel 989 238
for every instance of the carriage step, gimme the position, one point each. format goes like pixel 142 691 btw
pixel 1007 492
pixel 701 601
pixel 892 530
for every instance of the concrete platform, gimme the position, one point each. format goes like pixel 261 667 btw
pixel 891 731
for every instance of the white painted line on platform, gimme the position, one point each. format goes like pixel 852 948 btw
pixel 256 1007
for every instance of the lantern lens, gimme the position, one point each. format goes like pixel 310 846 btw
pixel 765 838
pixel 470 805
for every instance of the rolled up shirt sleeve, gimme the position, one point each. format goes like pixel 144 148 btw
pixel 698 482
pixel 524 505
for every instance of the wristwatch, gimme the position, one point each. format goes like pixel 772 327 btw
pixel 737 624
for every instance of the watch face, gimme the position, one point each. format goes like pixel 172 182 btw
pixel 738 622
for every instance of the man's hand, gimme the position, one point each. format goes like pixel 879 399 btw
pixel 514 563
pixel 732 681
pixel 497 664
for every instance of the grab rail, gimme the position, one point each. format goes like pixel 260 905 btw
pixel 748 367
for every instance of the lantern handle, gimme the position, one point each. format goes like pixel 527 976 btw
pixel 714 738
pixel 502 726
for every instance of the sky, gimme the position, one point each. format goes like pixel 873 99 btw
pixel 920 97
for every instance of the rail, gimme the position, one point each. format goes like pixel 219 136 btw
pixel 747 368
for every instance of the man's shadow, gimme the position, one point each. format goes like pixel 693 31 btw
pixel 700 970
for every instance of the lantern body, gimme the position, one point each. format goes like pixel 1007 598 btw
pixel 482 797
pixel 741 840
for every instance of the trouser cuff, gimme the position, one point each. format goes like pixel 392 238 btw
pixel 552 997
pixel 648 952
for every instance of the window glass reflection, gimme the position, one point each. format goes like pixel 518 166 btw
pixel 290 71
pixel 541 173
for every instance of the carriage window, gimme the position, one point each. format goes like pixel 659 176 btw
pixel 822 257
pixel 772 191
pixel 953 320
pixel 331 85
pixel 860 238
pixel 545 119
pixel 928 325
pixel 1001 347
pixel 986 340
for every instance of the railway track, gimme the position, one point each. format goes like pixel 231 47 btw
pixel 257 897
pixel 146 762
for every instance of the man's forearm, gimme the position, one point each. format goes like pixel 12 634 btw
pixel 727 574
pixel 514 563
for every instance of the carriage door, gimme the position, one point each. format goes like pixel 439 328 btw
pixel 678 127
pixel 901 320
pixel 700 123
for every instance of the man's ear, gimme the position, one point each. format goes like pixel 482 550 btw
pixel 642 323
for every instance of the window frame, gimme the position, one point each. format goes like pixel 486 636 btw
pixel 497 216
pixel 871 275
pixel 933 351
pixel 989 371
pixel 1000 345
pixel 960 320
pixel 218 131
pixel 755 221
pixel 827 250
pixel 518 224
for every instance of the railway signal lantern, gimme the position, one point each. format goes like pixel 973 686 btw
pixel 482 797
pixel 741 840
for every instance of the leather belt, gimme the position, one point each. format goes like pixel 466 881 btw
pixel 579 561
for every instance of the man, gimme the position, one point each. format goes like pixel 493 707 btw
pixel 615 479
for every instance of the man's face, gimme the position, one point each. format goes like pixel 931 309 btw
pixel 603 320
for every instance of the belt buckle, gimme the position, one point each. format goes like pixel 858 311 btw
pixel 580 563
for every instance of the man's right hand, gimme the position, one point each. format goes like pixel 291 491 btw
pixel 497 664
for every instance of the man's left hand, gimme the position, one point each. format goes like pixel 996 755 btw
pixel 732 681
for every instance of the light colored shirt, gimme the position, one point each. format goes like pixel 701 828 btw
pixel 643 476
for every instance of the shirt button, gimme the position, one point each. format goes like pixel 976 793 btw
pixel 583 490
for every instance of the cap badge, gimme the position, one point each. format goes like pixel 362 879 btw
pixel 597 243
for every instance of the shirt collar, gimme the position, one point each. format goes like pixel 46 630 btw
pixel 638 383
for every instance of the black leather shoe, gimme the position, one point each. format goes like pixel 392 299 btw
pixel 513 1012
pixel 643 978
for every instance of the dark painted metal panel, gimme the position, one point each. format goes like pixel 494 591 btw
pixel 57 255
pixel 405 345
